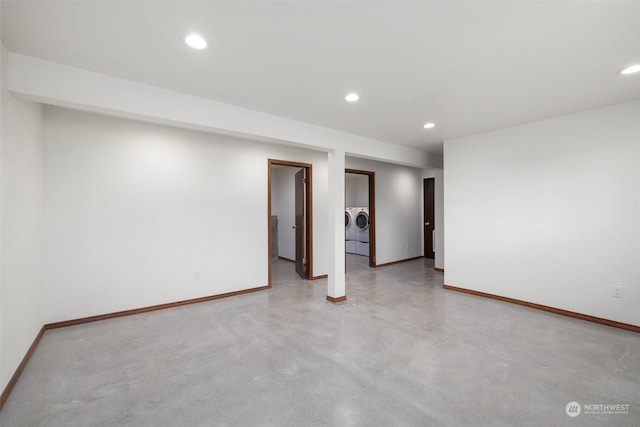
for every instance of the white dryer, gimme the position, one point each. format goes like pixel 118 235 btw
pixel 350 223
pixel 350 230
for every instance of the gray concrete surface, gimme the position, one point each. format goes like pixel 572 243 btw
pixel 400 352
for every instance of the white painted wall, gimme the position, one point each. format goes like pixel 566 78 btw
pixel 356 190
pixel 134 209
pixel 398 209
pixel 548 212
pixel 283 205
pixel 21 223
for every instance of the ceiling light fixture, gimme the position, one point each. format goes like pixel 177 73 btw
pixel 352 97
pixel 631 69
pixel 195 41
pixel 429 125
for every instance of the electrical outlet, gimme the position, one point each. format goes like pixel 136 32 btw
pixel 196 275
pixel 616 291
pixel 407 246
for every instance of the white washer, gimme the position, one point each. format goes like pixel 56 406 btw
pixel 361 222
pixel 362 248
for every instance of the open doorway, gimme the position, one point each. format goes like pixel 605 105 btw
pixel 429 216
pixel 289 215
pixel 360 224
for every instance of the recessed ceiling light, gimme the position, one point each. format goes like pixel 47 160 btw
pixel 631 69
pixel 195 41
pixel 429 125
pixel 352 97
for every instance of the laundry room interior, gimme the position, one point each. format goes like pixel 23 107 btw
pixel 357 217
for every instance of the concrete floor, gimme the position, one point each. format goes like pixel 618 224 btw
pixel 401 351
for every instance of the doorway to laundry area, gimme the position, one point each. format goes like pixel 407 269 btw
pixel 360 223
pixel 290 216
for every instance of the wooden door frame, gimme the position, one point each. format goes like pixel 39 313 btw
pixel 424 214
pixel 308 213
pixel 372 212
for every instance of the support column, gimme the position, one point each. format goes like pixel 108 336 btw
pixel 336 290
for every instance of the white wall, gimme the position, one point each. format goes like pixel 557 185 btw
pixel 398 209
pixel 21 223
pixel 548 212
pixel 134 209
pixel 283 205
pixel 356 190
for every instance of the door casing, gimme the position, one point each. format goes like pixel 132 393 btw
pixel 301 224
pixel 308 213
pixel 372 213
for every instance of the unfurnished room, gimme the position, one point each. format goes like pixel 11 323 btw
pixel 319 213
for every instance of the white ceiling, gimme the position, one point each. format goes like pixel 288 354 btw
pixel 467 66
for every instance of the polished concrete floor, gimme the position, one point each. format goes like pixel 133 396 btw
pixel 401 351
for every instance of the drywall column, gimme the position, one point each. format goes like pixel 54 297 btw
pixel 22 225
pixel 336 284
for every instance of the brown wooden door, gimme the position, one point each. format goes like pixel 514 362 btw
pixel 429 217
pixel 301 244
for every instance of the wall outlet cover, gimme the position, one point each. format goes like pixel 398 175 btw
pixel 616 291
